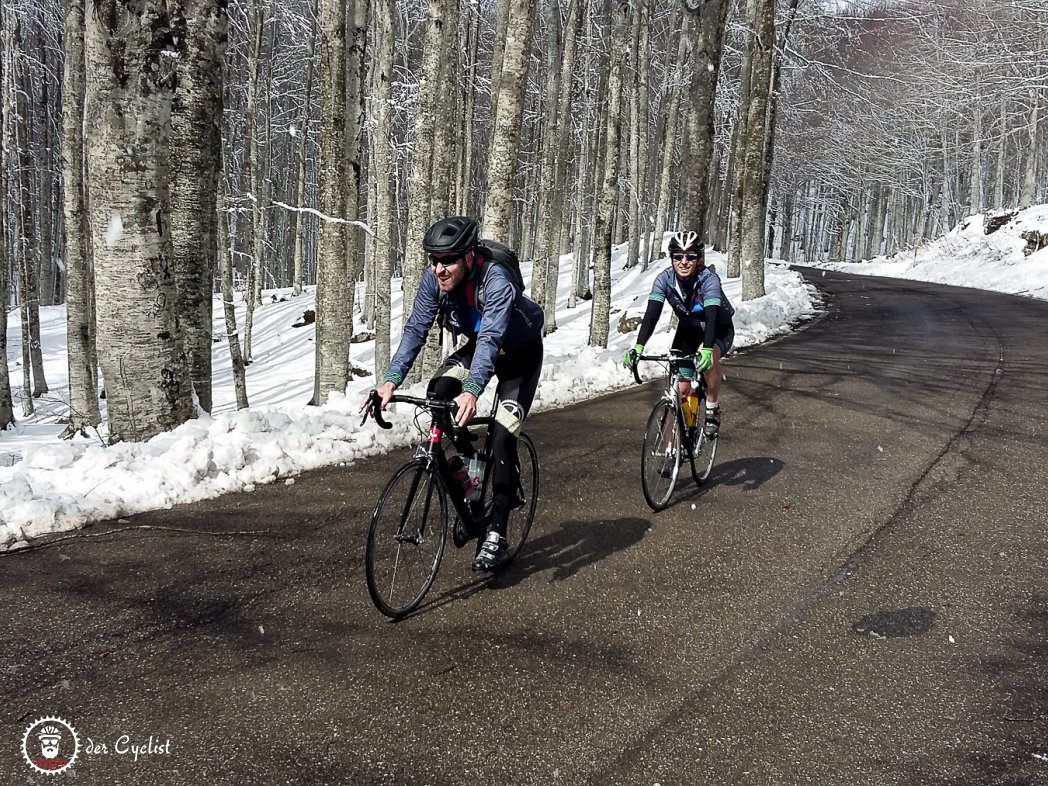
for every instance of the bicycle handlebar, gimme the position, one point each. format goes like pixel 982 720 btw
pixel 669 357
pixel 371 408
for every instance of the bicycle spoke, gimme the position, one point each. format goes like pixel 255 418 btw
pixel 661 454
pixel 406 539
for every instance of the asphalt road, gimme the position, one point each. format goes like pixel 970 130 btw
pixel 859 594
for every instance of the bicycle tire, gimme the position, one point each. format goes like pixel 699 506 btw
pixel 655 461
pixel 522 516
pixel 703 454
pixel 406 539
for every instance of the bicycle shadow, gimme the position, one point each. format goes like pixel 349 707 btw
pixel 570 548
pixel 749 473
pixel 565 551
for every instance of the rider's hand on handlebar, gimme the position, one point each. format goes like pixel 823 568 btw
pixel 466 408
pixel 384 393
pixel 705 359
pixel 629 360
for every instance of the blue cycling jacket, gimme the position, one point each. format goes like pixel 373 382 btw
pixel 485 307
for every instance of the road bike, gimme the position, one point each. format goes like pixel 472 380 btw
pixel 409 527
pixel 667 440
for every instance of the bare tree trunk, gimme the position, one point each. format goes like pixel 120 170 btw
pixel 540 253
pixel 334 324
pixel 1030 171
pixel 81 355
pixel 638 126
pixel 196 155
pixel 502 168
pixel 251 173
pixel 975 200
pixel 599 323
pixel 559 219
pixel 755 186
pixel 130 88
pixel 7 416
pixel 469 100
pixel 1002 146
pixel 229 313
pixel 34 384
pixel 354 150
pixel 384 217
pixel 420 199
pixel 419 188
pixel 707 33
pixel 669 141
pixel 297 232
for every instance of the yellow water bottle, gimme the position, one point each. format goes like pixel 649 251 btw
pixel 691 407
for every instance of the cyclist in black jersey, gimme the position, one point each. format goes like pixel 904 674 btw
pixel 473 296
pixel 705 326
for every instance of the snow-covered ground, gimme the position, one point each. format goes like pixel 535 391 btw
pixel 48 485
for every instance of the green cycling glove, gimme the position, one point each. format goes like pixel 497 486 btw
pixel 705 359
pixel 629 360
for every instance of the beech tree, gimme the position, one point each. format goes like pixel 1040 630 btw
pixel 131 54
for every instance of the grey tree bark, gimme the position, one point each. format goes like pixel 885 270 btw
pixel 384 216
pixel 196 162
pixel 249 179
pixel 297 229
pixel 130 81
pixel 333 324
pixel 229 313
pixel 1026 196
pixel 7 414
pixel 755 184
pixel 546 157
pixel 502 167
pixel 81 355
pixel 599 323
pixel 669 141
pixel 707 32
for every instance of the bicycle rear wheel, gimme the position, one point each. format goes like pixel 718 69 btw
pixel 523 513
pixel 406 539
pixel 660 457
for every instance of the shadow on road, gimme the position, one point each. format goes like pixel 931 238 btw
pixel 570 548
pixel 750 473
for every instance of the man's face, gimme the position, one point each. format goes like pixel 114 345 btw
pixel 450 269
pixel 49 746
pixel 686 263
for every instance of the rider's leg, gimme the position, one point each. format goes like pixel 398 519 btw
pixel 447 384
pixel 518 376
pixel 713 377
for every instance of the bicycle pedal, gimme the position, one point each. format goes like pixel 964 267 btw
pixel 459 536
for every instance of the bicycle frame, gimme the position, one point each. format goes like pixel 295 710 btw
pixel 674 378
pixel 432 451
pixel 689 442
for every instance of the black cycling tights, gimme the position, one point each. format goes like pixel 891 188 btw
pixel 518 379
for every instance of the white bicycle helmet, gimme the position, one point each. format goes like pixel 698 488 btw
pixel 684 241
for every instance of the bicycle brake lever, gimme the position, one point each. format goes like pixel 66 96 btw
pixel 374 411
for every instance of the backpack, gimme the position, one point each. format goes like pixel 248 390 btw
pixel 494 253
pixel 506 258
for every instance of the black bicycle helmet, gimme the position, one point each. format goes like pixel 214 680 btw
pixel 455 235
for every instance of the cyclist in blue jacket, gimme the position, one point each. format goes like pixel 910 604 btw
pixel 468 290
pixel 705 325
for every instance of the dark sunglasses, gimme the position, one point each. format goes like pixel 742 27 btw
pixel 690 256
pixel 446 261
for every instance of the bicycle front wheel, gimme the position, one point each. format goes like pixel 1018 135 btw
pixel 660 457
pixel 406 539
pixel 704 451
pixel 523 512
